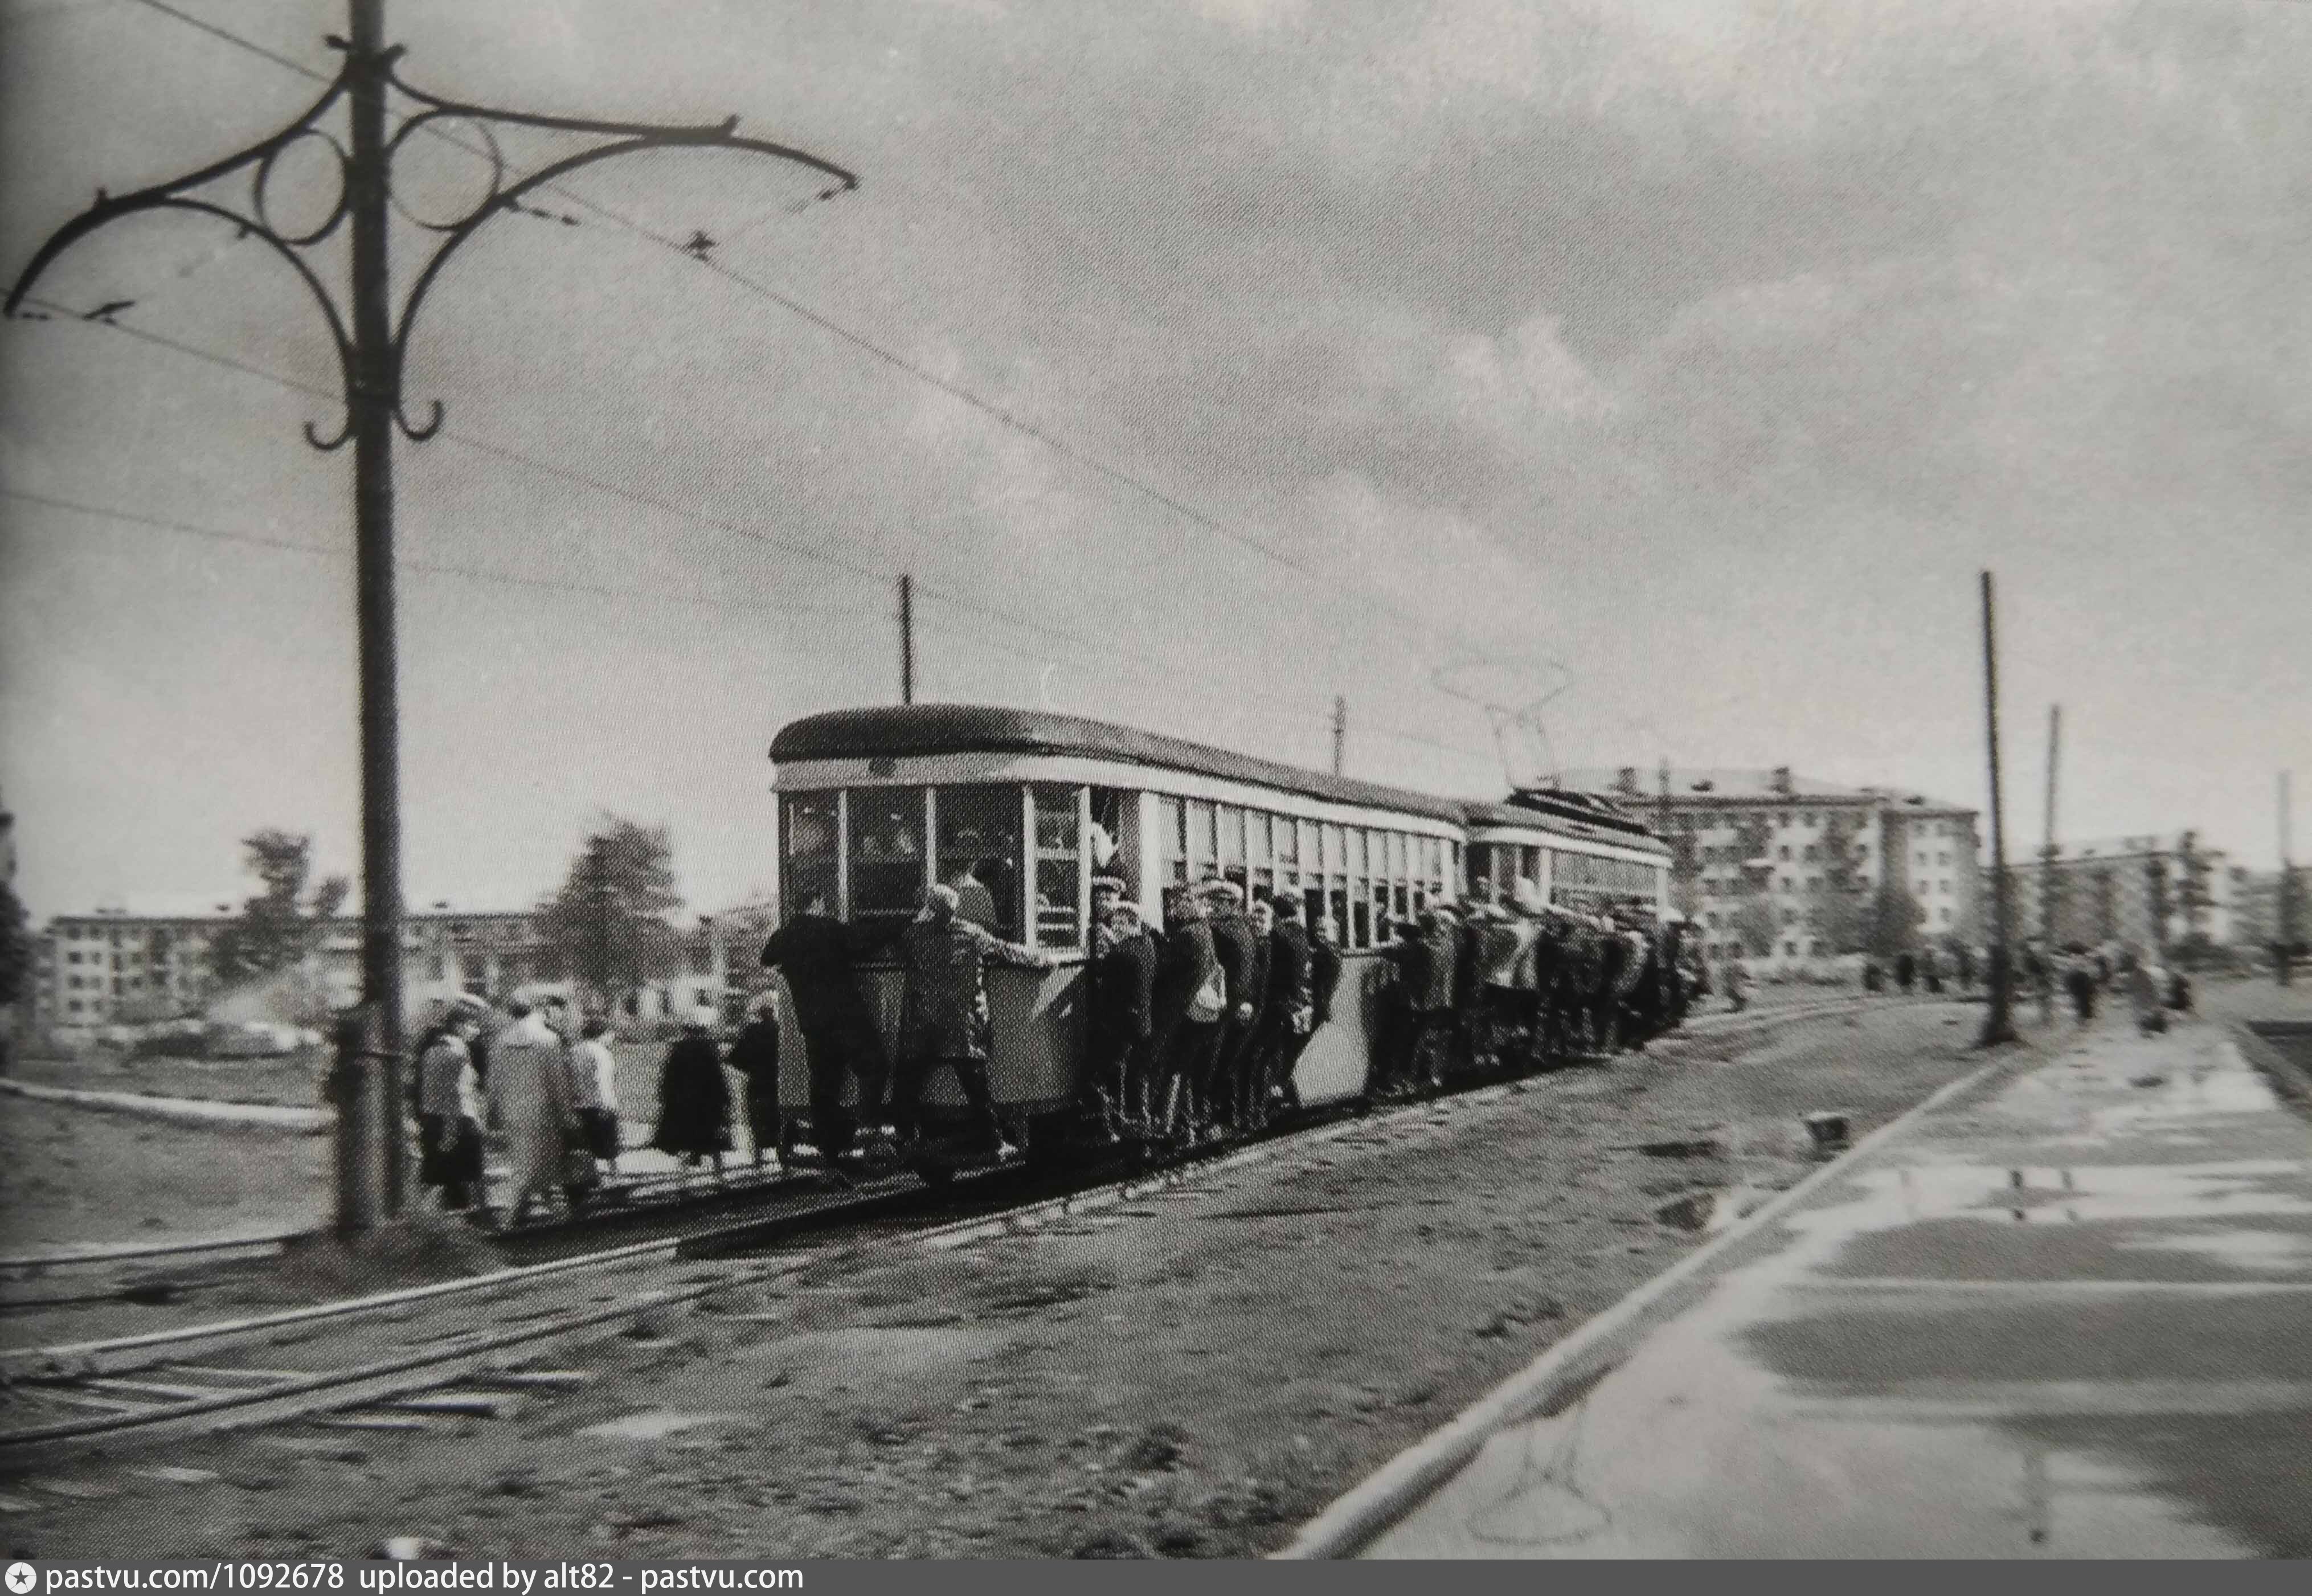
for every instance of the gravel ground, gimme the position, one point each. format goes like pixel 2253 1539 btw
pixel 73 1176
pixel 1191 1376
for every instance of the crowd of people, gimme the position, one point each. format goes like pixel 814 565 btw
pixel 1192 1031
pixel 2083 974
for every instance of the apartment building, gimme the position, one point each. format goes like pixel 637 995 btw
pixel 2154 889
pixel 1758 851
pixel 152 960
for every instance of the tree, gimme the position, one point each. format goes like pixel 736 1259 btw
pixel 1894 920
pixel 15 946
pixel 277 927
pixel 1753 920
pixel 607 926
pixel 1838 913
pixel 1685 870
pixel 2193 896
pixel 2157 901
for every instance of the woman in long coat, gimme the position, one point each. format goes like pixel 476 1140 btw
pixel 529 1103
pixel 694 1099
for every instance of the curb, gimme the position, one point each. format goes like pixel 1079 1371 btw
pixel 1383 1497
pixel 180 1110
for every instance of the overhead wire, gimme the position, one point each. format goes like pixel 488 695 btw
pixel 431 568
pixel 1001 413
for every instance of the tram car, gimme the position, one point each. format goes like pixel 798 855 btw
pixel 876 804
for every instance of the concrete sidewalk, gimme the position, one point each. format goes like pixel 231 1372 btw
pixel 2066 1313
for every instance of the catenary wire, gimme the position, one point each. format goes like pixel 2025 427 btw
pixel 434 568
pixel 1101 650
pixel 1001 413
pixel 479 573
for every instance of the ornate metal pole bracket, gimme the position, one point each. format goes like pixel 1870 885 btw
pixel 252 217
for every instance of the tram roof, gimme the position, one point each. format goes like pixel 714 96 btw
pixel 904 731
pixel 1581 820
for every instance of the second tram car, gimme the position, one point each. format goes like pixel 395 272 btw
pixel 876 804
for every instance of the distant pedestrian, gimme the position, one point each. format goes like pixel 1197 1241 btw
pixel 528 1094
pixel 944 1013
pixel 694 1100
pixel 1931 970
pixel 1737 983
pixel 754 1055
pixel 594 1088
pixel 450 1111
pixel 1906 971
pixel 2084 982
pixel 841 1044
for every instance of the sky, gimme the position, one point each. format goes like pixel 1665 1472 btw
pixel 1674 367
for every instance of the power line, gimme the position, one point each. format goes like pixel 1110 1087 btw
pixel 650 501
pixel 558 584
pixel 1001 413
pixel 435 567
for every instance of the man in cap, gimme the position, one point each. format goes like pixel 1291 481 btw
pixel 1189 1004
pixel 754 1055
pixel 1124 976
pixel 1287 1014
pixel 942 1018
pixel 815 951
pixel 1238 947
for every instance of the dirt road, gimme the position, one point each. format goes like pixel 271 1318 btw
pixel 1187 1377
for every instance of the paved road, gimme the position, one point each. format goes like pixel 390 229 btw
pixel 2068 1315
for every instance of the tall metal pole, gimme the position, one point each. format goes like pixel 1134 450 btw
pixel 373 400
pixel 1998 1025
pixel 1340 732
pixel 373 1173
pixel 907 640
pixel 2047 865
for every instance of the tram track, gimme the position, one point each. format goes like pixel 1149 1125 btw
pixel 60 1402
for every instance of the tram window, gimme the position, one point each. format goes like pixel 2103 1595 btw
pixel 1337 908
pixel 887 851
pixel 808 830
pixel 1231 839
pixel 1259 845
pixel 1114 841
pixel 1287 843
pixel 1200 841
pixel 979 826
pixel 1336 855
pixel 1171 840
pixel 1058 848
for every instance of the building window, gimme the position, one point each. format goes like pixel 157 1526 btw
pixel 1792 949
pixel 74 1005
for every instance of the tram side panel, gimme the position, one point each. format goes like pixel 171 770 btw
pixel 1037 1017
pixel 1338 1062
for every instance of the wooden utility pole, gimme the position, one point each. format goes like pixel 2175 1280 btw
pixel 2047 867
pixel 2285 909
pixel 907 640
pixel 1999 1024
pixel 1340 733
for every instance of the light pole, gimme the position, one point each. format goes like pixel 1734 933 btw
pixel 372 347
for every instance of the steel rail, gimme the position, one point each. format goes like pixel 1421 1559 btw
pixel 463 1352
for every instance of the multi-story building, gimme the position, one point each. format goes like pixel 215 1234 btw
pixel 2155 890
pixel 127 964
pixel 1761 854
